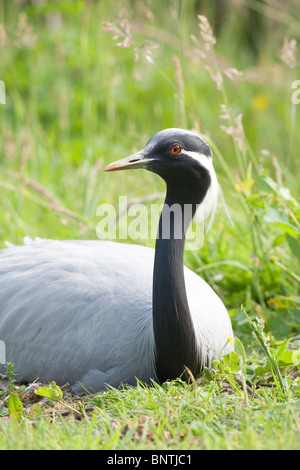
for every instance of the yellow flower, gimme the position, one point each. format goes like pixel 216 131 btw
pixel 245 185
pixel 260 102
pixel 229 339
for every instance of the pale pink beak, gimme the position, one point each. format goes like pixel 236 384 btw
pixel 137 160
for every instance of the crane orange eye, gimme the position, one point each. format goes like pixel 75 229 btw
pixel 175 149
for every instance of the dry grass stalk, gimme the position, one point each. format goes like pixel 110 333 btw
pixel 235 131
pixel 288 53
pixel 193 381
pixel 213 64
pixel 206 32
pixel 123 32
pixel 53 203
pixel 3 36
pixel 25 35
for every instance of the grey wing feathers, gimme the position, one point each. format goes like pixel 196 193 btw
pixel 74 311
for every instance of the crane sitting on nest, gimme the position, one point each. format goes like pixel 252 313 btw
pixel 93 313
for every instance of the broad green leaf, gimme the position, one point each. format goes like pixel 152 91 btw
pixel 51 391
pixel 232 361
pixel 14 405
pixel 290 357
pixel 294 245
pixel 278 190
pixel 280 219
pixel 287 228
pixel 279 239
pixel 287 358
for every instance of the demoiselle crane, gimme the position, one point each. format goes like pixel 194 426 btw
pixel 93 313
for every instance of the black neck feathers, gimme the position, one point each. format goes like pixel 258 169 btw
pixel 173 328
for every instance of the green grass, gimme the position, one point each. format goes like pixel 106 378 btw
pixel 75 102
pixel 168 417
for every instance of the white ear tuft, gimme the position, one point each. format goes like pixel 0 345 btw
pixel 207 208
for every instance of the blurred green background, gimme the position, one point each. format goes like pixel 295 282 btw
pixel 88 82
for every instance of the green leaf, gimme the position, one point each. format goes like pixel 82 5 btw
pixel 278 190
pixel 51 391
pixel 262 368
pixel 239 348
pixel 281 349
pixel 287 358
pixel 290 358
pixel 280 219
pixel 289 229
pixel 279 239
pixel 207 373
pixel 232 361
pixel 14 405
pixel 294 245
